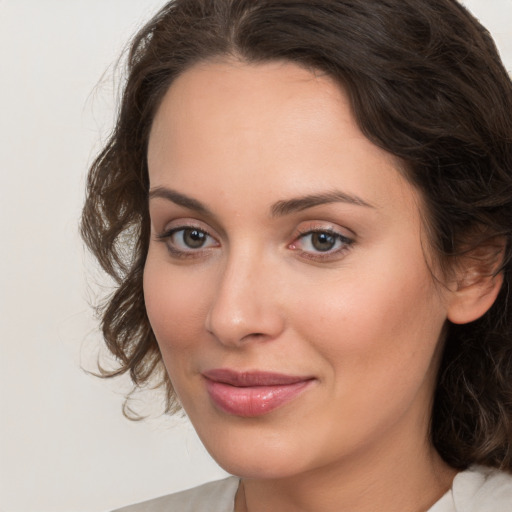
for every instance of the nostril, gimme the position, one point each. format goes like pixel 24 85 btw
pixel 255 335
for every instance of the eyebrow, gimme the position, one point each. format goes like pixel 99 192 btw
pixel 298 204
pixel 179 199
pixel 279 209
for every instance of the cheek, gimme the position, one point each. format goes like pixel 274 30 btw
pixel 376 330
pixel 175 305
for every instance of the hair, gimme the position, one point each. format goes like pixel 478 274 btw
pixel 426 84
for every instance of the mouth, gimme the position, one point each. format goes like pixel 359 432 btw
pixel 251 394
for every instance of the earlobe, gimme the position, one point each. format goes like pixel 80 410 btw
pixel 477 286
pixel 473 301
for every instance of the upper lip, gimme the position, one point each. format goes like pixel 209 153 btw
pixel 252 378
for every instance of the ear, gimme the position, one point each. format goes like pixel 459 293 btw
pixel 477 282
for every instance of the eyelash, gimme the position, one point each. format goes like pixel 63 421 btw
pixel 318 255
pixel 346 244
pixel 166 237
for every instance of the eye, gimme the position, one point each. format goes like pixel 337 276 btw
pixel 190 238
pixel 321 243
pixel 187 241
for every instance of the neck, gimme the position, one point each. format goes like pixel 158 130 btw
pixel 410 479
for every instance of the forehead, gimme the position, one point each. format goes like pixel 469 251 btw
pixel 256 129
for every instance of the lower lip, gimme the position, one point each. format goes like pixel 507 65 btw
pixel 252 401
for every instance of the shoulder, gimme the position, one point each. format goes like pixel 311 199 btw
pixel 481 489
pixel 211 497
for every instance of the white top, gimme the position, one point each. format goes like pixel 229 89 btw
pixel 478 489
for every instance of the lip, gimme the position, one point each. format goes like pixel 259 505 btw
pixel 254 393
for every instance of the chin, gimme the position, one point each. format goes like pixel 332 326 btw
pixel 274 467
pixel 256 453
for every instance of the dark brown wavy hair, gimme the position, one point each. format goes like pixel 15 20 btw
pixel 425 83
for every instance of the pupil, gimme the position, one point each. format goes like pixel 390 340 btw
pixel 194 238
pixel 323 241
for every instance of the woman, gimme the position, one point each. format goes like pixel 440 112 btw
pixel 317 201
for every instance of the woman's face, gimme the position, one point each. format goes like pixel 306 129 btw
pixel 286 279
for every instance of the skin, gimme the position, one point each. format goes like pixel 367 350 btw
pixel 364 319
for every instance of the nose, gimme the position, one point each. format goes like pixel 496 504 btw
pixel 245 306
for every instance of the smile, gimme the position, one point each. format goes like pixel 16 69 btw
pixel 251 394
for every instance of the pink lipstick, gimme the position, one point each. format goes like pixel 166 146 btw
pixel 250 394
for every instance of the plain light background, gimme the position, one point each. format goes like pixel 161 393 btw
pixel 64 444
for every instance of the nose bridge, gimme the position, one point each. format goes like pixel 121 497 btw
pixel 243 306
